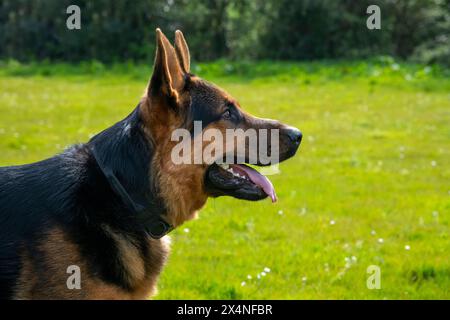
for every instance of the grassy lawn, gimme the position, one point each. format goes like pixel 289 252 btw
pixel 369 186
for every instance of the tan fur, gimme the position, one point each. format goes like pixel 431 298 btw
pixel 47 279
pixel 181 185
pixel 129 256
pixel 182 50
pixel 167 67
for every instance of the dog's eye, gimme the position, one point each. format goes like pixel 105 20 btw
pixel 227 114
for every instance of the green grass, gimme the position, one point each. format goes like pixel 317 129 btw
pixel 374 164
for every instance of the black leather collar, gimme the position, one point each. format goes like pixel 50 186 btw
pixel 155 226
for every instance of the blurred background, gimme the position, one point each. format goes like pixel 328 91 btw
pixel 234 29
pixel 369 184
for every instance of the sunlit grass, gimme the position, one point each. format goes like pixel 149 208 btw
pixel 369 186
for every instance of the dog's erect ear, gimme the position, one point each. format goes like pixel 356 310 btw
pixel 182 50
pixel 168 77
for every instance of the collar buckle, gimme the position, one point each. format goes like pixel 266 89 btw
pixel 155 226
pixel 158 229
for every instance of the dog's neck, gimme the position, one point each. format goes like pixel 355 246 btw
pixel 124 151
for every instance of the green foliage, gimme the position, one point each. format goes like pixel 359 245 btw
pixel 374 164
pixel 233 29
pixel 383 70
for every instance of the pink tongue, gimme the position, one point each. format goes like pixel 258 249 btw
pixel 257 179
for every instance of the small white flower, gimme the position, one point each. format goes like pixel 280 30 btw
pixel 407 247
pixel 304 279
pixel 433 163
pixel 332 222
pixel 373 232
pixel 347 259
pixel 435 214
pixel 267 269
pixel 258 276
pixel 186 230
pixel 354 259
pixel 263 274
pixel 380 240
pixel 280 212
pixel 249 277
pixel 243 283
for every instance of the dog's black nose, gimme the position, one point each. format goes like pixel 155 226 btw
pixel 295 135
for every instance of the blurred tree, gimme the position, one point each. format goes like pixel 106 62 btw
pixel 252 29
pixel 204 22
pixel 434 34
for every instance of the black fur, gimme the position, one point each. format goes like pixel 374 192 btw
pixel 208 105
pixel 70 191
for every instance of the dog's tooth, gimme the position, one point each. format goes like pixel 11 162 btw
pixel 225 166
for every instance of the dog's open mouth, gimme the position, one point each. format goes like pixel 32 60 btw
pixel 239 181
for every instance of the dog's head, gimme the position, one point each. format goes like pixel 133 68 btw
pixel 202 137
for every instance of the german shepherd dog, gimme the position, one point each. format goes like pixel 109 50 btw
pixel 102 209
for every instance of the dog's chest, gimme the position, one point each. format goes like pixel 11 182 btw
pixel 142 272
pixel 62 272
